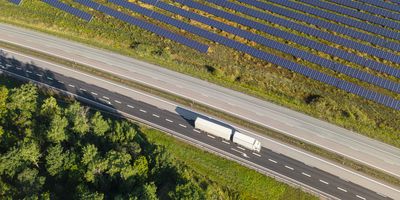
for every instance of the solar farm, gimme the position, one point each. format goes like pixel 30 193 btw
pixel 351 46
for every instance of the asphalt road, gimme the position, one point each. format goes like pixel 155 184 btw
pixel 265 160
pixel 295 124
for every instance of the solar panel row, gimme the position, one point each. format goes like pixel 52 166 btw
pixel 304 29
pixel 18 2
pixel 69 9
pixel 385 100
pixel 324 24
pixel 368 8
pixel 383 4
pixel 338 18
pixel 281 47
pixel 292 37
pixel 145 25
pixel 353 13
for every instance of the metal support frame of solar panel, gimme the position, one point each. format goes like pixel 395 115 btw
pixel 350 12
pixel 17 2
pixel 338 18
pixel 279 46
pixel 67 8
pixel 383 4
pixel 304 29
pixel 368 8
pixel 388 101
pixel 145 25
pixel 324 24
pixel 291 37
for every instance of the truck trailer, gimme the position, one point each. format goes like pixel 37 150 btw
pixel 227 133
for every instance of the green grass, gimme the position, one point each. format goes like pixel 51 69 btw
pixel 249 184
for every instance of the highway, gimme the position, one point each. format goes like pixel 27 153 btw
pixel 336 139
pixel 178 124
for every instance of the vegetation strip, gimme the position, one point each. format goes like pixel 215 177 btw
pixel 196 106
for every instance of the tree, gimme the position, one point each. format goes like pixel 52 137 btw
pixel 187 191
pixel 149 192
pixel 55 159
pixel 56 133
pixel 76 114
pixel 3 101
pixel 95 164
pixel 99 125
pixel 30 183
pixel 123 133
pixel 141 167
pixel 118 162
pixel 50 108
pixel 22 103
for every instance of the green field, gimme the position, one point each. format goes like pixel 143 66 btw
pixel 57 149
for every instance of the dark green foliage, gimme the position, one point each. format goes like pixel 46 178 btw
pixel 48 151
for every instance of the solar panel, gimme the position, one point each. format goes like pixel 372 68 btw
pixel 320 23
pixel 389 6
pixel 18 2
pixel 338 18
pixel 279 46
pixel 145 25
pixel 69 9
pixel 353 13
pixel 239 46
pixel 289 36
pixel 368 8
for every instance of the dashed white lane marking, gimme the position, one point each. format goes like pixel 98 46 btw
pixel 116 101
pixel 241 148
pixel 19 68
pixel 339 188
pixel 143 111
pixel 39 75
pixel 225 142
pixel 360 197
pixel 168 120
pixel 156 116
pixel 256 154
pixel 129 106
pixel 182 125
pixel 94 93
pixel 243 154
pixel 322 181
pixel 272 161
pixel 291 168
pixel 106 97
pixel 8 65
pixel 211 136
pixel 62 82
pixel 49 78
pixel 109 103
pixel 195 130
pixel 71 85
pixel 27 71
pixel 308 175
pixel 81 89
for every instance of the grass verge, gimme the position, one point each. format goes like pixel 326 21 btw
pixel 196 106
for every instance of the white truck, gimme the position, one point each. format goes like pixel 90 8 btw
pixel 227 134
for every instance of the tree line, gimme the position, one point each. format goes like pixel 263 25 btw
pixel 62 150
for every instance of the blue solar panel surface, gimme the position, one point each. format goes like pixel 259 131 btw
pixel 145 25
pixel 69 9
pixel 304 29
pixel 385 100
pixel 382 4
pixel 292 37
pixel 344 20
pixel 370 9
pixel 322 23
pixel 15 1
pixel 281 47
pixel 353 13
